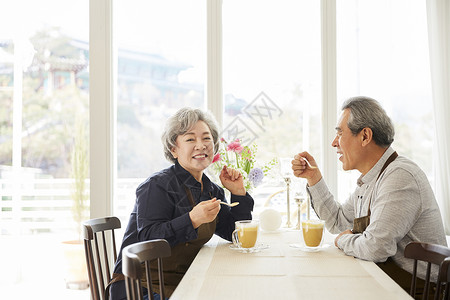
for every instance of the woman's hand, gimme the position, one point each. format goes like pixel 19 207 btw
pixel 233 181
pixel 204 212
pixel 303 170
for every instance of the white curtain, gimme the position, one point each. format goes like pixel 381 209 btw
pixel 438 16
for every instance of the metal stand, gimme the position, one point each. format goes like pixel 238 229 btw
pixel 308 206
pixel 299 201
pixel 288 181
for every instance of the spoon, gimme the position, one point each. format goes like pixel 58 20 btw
pixel 309 165
pixel 230 204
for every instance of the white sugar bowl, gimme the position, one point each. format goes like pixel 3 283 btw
pixel 270 219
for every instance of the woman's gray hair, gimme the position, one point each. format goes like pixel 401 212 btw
pixel 367 112
pixel 181 122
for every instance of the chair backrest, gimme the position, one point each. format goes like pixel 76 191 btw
pixel 132 258
pixel 444 278
pixel 96 250
pixel 430 253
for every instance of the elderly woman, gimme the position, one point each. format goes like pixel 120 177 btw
pixel 181 204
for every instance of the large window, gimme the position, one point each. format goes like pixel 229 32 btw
pixel 44 136
pixel 382 52
pixel 271 78
pixel 160 68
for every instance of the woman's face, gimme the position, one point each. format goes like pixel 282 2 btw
pixel 195 149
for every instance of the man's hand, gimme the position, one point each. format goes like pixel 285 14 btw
pixel 302 170
pixel 204 212
pixel 348 231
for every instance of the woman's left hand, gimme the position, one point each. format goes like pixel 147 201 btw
pixel 233 181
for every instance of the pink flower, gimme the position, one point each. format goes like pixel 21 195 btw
pixel 223 140
pixel 216 158
pixel 247 154
pixel 235 147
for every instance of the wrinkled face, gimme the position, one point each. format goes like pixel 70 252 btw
pixel 348 146
pixel 195 149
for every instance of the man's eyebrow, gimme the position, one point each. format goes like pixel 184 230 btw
pixel 338 129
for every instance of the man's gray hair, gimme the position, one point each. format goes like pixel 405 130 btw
pixel 181 122
pixel 367 112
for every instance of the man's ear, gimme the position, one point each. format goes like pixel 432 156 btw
pixel 366 134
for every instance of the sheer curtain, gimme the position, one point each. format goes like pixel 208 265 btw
pixel 438 15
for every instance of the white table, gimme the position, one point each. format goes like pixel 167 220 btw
pixel 283 272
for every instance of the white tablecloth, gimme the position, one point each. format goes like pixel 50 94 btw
pixel 281 271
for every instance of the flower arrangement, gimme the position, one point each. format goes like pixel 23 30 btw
pixel 242 158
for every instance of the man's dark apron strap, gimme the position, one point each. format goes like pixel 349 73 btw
pixel 360 224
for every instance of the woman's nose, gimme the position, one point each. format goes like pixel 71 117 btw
pixel 200 145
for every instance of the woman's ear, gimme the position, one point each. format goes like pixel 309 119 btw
pixel 174 152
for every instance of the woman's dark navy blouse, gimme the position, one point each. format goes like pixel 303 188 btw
pixel 162 209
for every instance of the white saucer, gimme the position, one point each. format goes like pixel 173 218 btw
pixel 309 249
pixel 257 248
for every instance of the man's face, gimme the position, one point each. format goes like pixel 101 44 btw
pixel 348 146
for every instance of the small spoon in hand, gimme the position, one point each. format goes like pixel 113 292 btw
pixel 309 165
pixel 230 205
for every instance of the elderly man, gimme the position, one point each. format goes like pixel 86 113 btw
pixel 393 203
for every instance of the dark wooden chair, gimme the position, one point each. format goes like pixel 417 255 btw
pixel 430 253
pixel 132 258
pixel 444 279
pixel 96 233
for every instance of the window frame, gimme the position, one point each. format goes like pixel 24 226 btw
pixel 103 110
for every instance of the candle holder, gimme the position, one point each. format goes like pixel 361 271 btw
pixel 288 222
pixel 299 200
pixel 286 173
pixel 308 206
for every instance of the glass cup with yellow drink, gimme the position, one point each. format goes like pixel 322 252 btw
pixel 245 235
pixel 313 231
